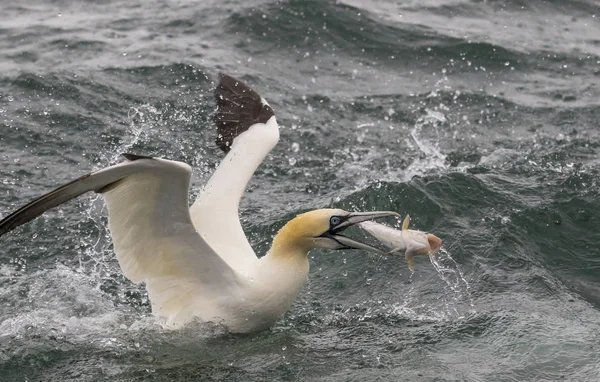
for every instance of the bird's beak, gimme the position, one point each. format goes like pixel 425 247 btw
pixel 338 241
pixel 358 217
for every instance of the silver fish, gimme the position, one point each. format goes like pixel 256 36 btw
pixel 409 241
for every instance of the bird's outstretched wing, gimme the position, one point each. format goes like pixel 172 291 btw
pixel 238 108
pixel 154 238
pixel 247 131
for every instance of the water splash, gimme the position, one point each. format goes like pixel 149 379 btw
pixel 456 298
pixel 431 158
pixel 449 271
pixel 142 119
pixel 98 259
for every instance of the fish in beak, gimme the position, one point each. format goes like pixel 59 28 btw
pixel 333 239
pixel 407 241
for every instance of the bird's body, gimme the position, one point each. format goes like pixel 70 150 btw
pixel 253 302
pixel 197 262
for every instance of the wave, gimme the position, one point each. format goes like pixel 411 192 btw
pixel 332 26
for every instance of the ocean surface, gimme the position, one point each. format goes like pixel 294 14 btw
pixel 478 118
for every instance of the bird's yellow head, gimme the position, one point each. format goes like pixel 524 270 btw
pixel 322 229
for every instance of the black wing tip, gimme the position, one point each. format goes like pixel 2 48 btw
pixel 134 157
pixel 238 107
pixel 224 77
pixel 229 86
pixel 38 206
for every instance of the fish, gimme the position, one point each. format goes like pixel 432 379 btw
pixel 410 242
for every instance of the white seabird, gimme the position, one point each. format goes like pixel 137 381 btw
pixel 196 262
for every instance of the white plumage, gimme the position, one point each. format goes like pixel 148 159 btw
pixel 197 263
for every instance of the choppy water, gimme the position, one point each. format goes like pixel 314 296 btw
pixel 478 118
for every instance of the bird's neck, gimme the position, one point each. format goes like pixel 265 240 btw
pixel 289 263
pixel 290 243
pixel 288 253
pixel 286 264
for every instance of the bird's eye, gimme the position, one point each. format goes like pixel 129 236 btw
pixel 334 220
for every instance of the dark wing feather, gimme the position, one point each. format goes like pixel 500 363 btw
pixel 37 207
pixel 238 108
pixel 64 193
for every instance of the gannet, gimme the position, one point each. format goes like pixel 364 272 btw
pixel 410 242
pixel 196 262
